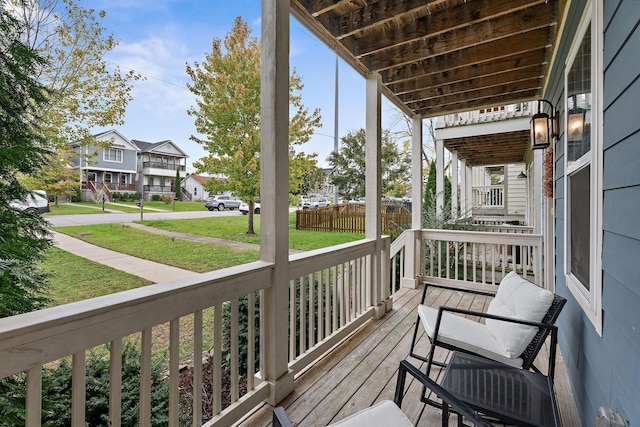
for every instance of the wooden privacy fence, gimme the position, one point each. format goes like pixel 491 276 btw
pixel 350 217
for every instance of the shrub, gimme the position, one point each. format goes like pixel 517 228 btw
pixel 56 389
pixel 167 199
pixel 156 198
pixel 77 197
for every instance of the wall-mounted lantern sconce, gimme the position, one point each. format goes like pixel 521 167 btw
pixel 522 175
pixel 543 127
pixel 575 124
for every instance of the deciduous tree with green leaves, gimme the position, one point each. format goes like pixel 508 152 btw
pixel 24 235
pixel 227 114
pixel 348 165
pixel 83 90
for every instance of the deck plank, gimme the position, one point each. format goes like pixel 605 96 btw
pixel 363 369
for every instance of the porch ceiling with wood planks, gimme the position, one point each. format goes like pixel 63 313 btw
pixel 439 57
pixel 494 149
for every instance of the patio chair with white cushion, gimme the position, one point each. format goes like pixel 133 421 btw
pixel 516 324
pixel 387 413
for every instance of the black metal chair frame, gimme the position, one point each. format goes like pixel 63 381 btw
pixel 450 404
pixel 545 327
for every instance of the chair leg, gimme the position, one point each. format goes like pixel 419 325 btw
pixel 412 352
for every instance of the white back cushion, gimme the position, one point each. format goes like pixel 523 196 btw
pixel 517 298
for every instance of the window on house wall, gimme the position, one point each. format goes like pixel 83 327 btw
pixel 195 191
pixel 112 155
pixel 107 177
pixel 583 230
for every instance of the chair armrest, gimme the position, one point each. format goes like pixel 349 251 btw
pixel 448 399
pixel 443 308
pixel 280 418
pixel 453 288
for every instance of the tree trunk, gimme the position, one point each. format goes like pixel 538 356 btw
pixel 250 225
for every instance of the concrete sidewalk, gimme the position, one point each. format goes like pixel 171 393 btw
pixel 153 271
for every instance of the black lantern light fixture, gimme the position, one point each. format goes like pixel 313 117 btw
pixel 543 127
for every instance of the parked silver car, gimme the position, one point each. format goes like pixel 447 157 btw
pixel 316 202
pixel 222 201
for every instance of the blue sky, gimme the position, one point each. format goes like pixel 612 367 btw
pixel 157 39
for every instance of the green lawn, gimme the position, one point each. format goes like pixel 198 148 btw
pixel 180 206
pixel 73 209
pixel 235 228
pixel 194 256
pixel 74 278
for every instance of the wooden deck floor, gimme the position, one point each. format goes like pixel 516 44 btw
pixel 363 370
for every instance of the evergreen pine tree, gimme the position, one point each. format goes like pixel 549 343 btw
pixel 178 185
pixel 24 237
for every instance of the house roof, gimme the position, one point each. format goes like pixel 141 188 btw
pixel 201 179
pixel 438 57
pixel 157 147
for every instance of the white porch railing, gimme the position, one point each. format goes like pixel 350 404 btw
pixel 331 294
pixel 488 114
pixel 488 197
pixel 479 260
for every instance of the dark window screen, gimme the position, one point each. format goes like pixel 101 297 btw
pixel 580 205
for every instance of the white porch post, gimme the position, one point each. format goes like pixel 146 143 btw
pixel 414 246
pixel 454 185
pixel 274 184
pixel 463 188
pixel 373 183
pixel 439 178
pixel 469 190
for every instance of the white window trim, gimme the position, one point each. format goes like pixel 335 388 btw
pixel 104 155
pixel 590 301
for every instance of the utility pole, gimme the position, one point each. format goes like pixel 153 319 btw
pixel 335 128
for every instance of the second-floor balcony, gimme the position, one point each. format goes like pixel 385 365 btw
pixel 345 328
pixel 164 165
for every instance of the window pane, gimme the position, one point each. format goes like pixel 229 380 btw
pixel 579 102
pixel 580 218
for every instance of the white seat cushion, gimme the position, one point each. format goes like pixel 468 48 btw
pixel 517 298
pixel 382 414
pixel 465 334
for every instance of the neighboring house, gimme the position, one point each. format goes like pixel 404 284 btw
pixel 327 187
pixel 107 170
pixel 193 187
pixel 157 166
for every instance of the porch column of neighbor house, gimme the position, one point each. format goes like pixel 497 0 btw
pixel 439 178
pixel 469 189
pixel 463 188
pixel 413 246
pixel 373 190
pixel 454 185
pixel 274 185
